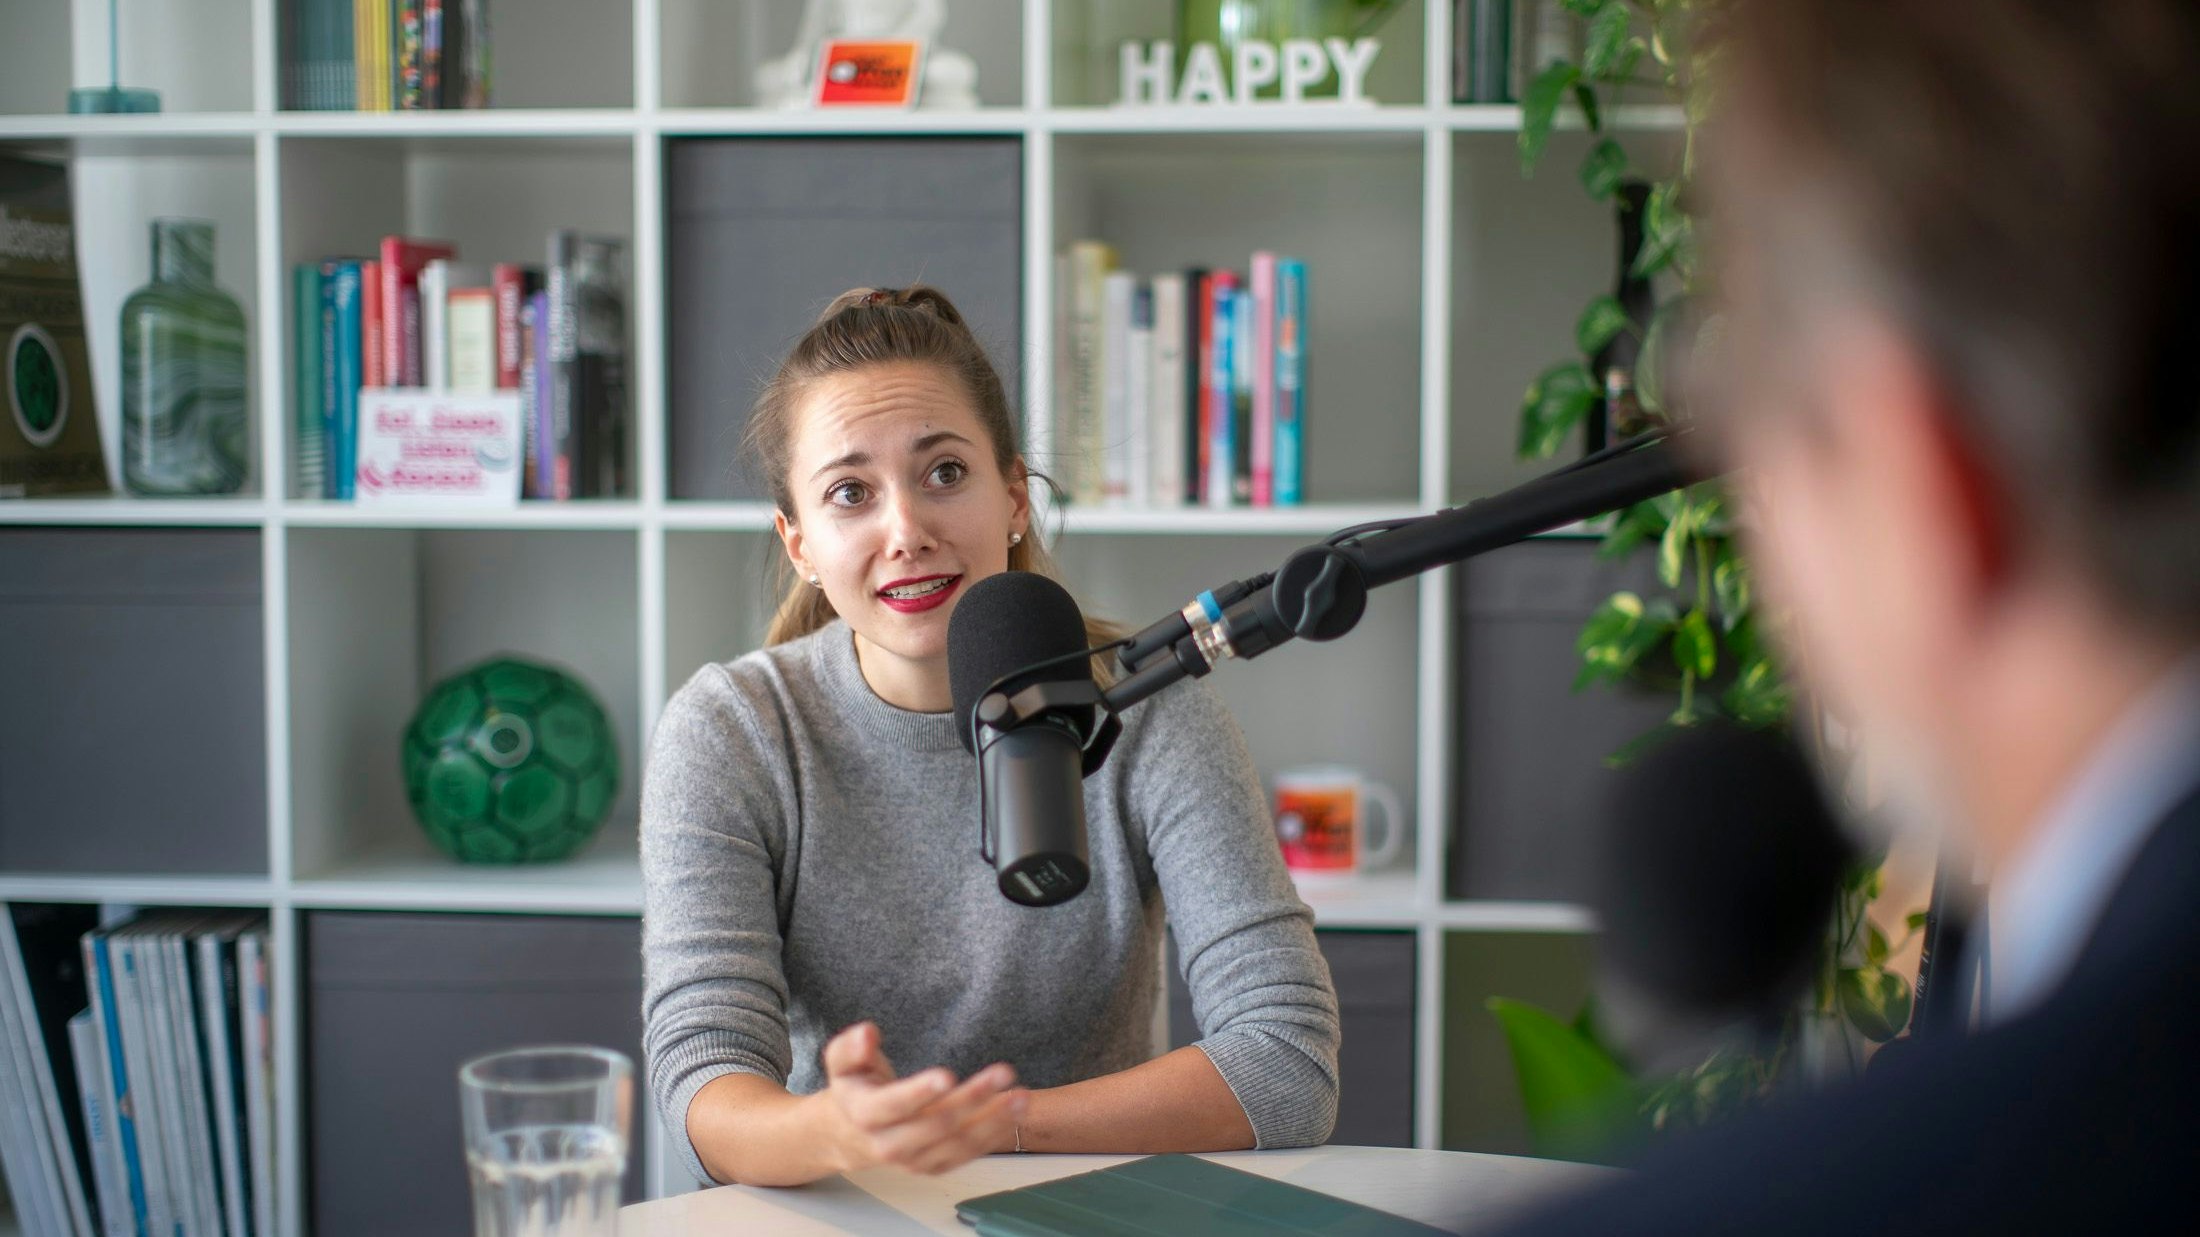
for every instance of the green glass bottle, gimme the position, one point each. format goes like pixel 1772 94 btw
pixel 185 429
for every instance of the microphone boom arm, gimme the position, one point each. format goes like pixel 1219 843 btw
pixel 1320 592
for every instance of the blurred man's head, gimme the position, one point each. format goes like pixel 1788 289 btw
pixel 1960 241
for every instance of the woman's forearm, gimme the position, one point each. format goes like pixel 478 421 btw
pixel 748 1129
pixel 1176 1102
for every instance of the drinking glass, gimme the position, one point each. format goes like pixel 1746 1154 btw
pixel 546 1139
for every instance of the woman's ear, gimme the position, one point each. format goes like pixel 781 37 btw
pixel 790 538
pixel 1019 493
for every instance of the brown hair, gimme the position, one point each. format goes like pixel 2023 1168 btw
pixel 878 326
pixel 2014 181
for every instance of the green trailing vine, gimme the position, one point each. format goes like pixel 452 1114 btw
pixel 1701 639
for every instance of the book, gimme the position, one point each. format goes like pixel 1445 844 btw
pixel 50 444
pixel 1218 401
pixel 344 381
pixel 535 401
pixel 309 468
pixel 255 1019
pixel 1166 398
pixel 470 318
pixel 511 284
pixel 106 1013
pixel 440 278
pixel 1117 288
pixel 45 975
pixel 111 1188
pixel 1165 1195
pixel 1138 396
pixel 192 1080
pixel 1260 452
pixel 1241 395
pixel 1198 319
pixel 373 323
pixel 431 54
pixel 156 1142
pixel 407 20
pixel 215 950
pixel 1079 428
pixel 1290 450
pixel 587 390
pixel 25 1151
pixel 402 257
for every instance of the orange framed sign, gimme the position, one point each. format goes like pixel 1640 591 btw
pixel 869 72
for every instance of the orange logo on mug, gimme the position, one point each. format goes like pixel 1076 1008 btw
pixel 1324 824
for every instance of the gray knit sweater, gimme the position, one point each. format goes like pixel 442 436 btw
pixel 810 860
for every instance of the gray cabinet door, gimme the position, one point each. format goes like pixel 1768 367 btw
pixel 395 1002
pixel 133 701
pixel 1374 975
pixel 760 233
pixel 1529 777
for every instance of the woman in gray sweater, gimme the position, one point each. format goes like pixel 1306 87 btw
pixel 816 919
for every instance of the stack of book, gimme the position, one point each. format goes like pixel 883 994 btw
pixel 1185 388
pixel 137 1085
pixel 387 55
pixel 416 316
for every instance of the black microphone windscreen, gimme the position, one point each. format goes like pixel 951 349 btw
pixel 1004 623
pixel 1718 875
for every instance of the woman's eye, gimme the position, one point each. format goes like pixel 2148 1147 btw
pixel 846 494
pixel 948 472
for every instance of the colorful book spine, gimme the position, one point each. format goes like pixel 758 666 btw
pixel 1080 435
pixel 431 53
pixel 1166 402
pixel 1138 395
pixel 344 428
pixel 435 342
pixel 110 1181
pixel 309 466
pixel 561 442
pixel 1198 318
pixel 402 258
pixel 328 377
pixel 408 55
pixel 1290 455
pixel 1220 401
pixel 374 324
pixel 99 967
pixel 1241 396
pixel 508 282
pixel 1261 462
pixel 546 456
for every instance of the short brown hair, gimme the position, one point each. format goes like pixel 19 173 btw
pixel 2018 182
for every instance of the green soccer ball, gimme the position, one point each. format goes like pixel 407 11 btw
pixel 510 761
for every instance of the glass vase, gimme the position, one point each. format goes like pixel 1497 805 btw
pixel 185 429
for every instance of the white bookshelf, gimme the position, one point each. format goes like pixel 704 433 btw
pixel 1413 210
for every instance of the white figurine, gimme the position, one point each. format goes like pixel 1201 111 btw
pixel 950 77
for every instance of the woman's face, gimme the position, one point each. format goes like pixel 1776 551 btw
pixel 898 504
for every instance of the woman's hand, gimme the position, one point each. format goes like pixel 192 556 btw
pixel 925 1123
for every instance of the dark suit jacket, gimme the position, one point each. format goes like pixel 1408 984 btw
pixel 2082 1116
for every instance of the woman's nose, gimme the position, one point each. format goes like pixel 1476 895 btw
pixel 907 534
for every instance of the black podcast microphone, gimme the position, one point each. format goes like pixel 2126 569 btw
pixel 1717 869
pixel 1027 708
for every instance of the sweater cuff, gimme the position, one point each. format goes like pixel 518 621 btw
pixel 693 1064
pixel 1287 1096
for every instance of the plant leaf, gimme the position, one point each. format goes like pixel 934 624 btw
pixel 1585 98
pixel 1603 319
pixel 1553 404
pixel 1580 1104
pixel 1635 525
pixel 1730 585
pixel 1650 362
pixel 1916 920
pixel 1673 547
pixel 1603 169
pixel 1875 1002
pixel 1588 8
pixel 1875 946
pixel 1539 110
pixel 1606 41
pixel 1632 749
pixel 1695 651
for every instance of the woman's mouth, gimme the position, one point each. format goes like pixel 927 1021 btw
pixel 916 595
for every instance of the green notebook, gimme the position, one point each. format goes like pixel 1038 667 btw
pixel 1170 1195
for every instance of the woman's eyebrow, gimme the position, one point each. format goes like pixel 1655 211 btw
pixel 857 459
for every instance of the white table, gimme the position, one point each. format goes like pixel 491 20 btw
pixel 1450 1189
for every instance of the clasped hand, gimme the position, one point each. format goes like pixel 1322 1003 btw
pixel 925 1123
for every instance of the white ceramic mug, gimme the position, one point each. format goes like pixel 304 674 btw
pixel 1324 824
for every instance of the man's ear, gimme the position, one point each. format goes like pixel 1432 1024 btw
pixel 790 539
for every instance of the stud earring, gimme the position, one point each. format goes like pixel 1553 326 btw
pixel 1015 539
pixel 814 582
